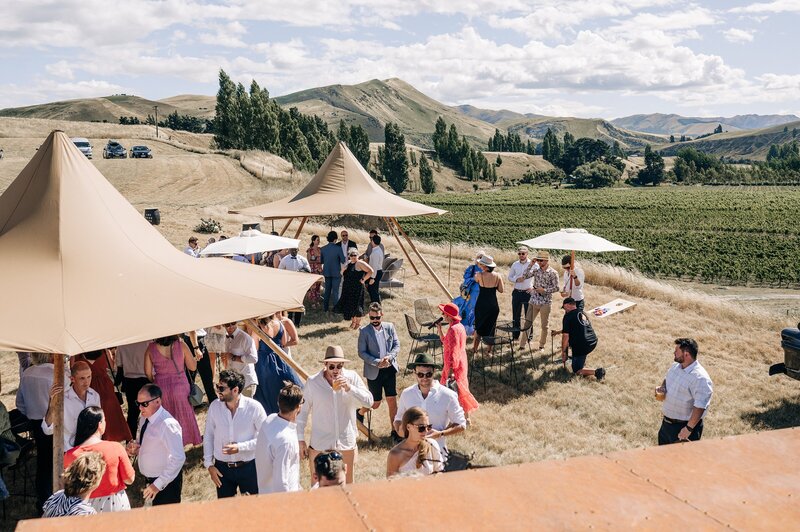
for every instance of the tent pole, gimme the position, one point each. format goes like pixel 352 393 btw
pixel 571 271
pixel 285 227
pixel 294 365
pixel 424 262
pixel 397 237
pixel 58 422
pixel 302 223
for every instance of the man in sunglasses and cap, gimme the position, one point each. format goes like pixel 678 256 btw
pixel 440 402
pixel 334 394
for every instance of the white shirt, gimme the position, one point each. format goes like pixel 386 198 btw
pixel 441 405
pixel 278 456
pixel 161 454
pixel 334 425
pixel 345 248
pixel 72 407
pixel 131 359
pixel 376 260
pixel 192 252
pixel 294 264
pixel 33 395
pixel 243 345
pixel 687 388
pixel 223 427
pixel 577 291
pixel 517 269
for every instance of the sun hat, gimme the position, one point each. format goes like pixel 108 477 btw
pixel 451 309
pixel 543 255
pixel 334 353
pixel 487 261
pixel 522 249
pixel 479 254
pixel 423 359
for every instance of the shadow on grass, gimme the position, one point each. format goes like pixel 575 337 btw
pixel 321 333
pixel 782 415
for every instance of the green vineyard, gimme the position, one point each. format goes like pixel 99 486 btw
pixel 732 235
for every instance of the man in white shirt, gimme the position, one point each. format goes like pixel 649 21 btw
pixel 296 263
pixel 159 446
pixel 240 348
pixel 376 261
pixel 520 296
pixel 193 250
pixel 130 373
pixel 77 397
pixel 229 444
pixel 334 394
pixel 441 403
pixel 572 281
pixel 277 448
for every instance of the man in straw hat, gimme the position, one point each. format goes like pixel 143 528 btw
pixel 440 402
pixel 545 283
pixel 334 394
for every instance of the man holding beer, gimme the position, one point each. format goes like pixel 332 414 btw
pixel 686 393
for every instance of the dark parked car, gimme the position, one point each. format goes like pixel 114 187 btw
pixel 790 341
pixel 141 152
pixel 114 150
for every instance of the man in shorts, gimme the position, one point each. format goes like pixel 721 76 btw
pixel 378 347
pixel 579 336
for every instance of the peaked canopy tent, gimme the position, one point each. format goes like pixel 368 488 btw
pixel 83 270
pixel 342 186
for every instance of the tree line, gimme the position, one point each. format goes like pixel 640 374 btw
pixel 174 121
pixel 454 151
pixel 511 142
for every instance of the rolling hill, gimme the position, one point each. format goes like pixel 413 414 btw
pixel 745 144
pixel 104 109
pixel 596 128
pixel 672 124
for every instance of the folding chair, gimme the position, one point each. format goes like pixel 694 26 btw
pixel 423 313
pixel 431 341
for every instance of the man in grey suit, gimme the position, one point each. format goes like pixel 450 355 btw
pixel 332 260
pixel 378 347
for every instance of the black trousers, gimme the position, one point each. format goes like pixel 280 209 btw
pixel 44 464
pixel 131 387
pixel 374 289
pixel 296 318
pixel 203 369
pixel 668 433
pixel 519 307
pixel 331 294
pixel 243 477
pixel 171 493
pixel 579 304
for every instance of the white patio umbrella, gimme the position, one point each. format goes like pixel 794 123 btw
pixel 249 242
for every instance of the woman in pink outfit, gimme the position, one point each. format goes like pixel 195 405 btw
pixel 455 356
pixel 165 364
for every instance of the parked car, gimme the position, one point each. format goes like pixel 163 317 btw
pixel 114 150
pixel 141 152
pixel 84 145
pixel 790 341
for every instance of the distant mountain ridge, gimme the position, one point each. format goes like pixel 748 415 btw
pixel 673 124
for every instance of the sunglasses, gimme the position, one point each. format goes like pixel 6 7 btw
pixel 521 253
pixel 332 367
pixel 424 428
pixel 427 375
pixel 144 404
pixel 221 388
pixel 375 318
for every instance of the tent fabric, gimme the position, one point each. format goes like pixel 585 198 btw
pixel 341 186
pixel 249 242
pixel 573 240
pixel 83 270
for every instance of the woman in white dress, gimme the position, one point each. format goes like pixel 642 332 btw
pixel 417 453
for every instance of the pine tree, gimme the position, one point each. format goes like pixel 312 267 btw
pixel 439 138
pixel 343 134
pixel 359 144
pixel 452 153
pixel 498 161
pixel 395 163
pixel 672 139
pixel 413 157
pixel 426 180
pixel 226 112
pixel 551 147
pixel 653 171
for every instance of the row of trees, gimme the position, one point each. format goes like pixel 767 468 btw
pixel 173 121
pixel 357 140
pixel 454 151
pixel 511 142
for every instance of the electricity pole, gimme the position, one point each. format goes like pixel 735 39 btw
pixel 156 108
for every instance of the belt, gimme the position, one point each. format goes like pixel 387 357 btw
pixel 675 421
pixel 233 465
pixel 520 290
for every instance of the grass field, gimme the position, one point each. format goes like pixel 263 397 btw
pixel 733 235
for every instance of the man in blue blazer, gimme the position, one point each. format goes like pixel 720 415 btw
pixel 332 260
pixel 378 347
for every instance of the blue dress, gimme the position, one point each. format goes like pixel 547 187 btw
pixel 271 371
pixel 466 305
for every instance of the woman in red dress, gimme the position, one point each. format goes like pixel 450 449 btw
pixel 315 263
pixel 116 426
pixel 454 347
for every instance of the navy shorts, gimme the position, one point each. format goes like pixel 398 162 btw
pixel 578 362
pixel 386 381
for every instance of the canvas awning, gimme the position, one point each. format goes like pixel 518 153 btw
pixel 341 186
pixel 83 270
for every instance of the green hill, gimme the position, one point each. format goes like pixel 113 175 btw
pixel 595 128
pixel 740 144
pixel 672 124
pixel 103 109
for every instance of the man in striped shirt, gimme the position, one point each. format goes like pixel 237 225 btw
pixel 686 392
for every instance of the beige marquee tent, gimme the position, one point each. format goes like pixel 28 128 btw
pixel 343 186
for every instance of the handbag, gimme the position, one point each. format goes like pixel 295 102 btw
pixel 113 379
pixel 195 393
pixel 452 384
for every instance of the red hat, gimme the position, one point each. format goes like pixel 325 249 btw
pixel 451 309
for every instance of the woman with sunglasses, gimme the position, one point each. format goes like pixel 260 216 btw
pixel 417 453
pixel 355 274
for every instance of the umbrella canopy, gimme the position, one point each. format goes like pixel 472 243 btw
pixel 341 186
pixel 249 242
pixel 83 270
pixel 573 240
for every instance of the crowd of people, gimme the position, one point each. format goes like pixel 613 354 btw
pixel 257 435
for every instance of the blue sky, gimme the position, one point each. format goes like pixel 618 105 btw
pixel 588 58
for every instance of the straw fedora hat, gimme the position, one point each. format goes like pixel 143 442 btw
pixel 543 255
pixel 487 261
pixel 334 353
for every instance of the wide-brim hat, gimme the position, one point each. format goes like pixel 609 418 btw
pixel 423 359
pixel 334 353
pixel 543 255
pixel 487 261
pixel 451 309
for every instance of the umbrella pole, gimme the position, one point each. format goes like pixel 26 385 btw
pixel 397 237
pixel 285 227
pixel 58 423
pixel 302 223
pixel 424 262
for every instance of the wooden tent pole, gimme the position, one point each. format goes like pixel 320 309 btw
pixel 571 271
pixel 285 227
pixel 397 237
pixel 424 262
pixel 302 223
pixel 58 423
pixel 294 365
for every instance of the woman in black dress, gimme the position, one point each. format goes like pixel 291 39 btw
pixel 354 274
pixel 486 309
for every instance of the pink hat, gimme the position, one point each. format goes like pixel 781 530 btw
pixel 451 309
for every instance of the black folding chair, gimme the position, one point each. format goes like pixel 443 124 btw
pixel 423 313
pixel 431 340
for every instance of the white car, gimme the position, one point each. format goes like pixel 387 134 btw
pixel 84 145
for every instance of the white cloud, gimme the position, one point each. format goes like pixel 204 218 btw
pixel 228 35
pixel 61 69
pixel 779 6
pixel 736 35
